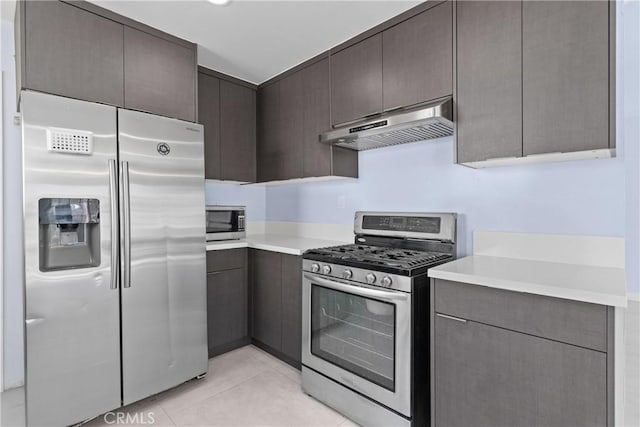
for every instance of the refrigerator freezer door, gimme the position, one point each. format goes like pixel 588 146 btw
pixel 164 335
pixel 71 309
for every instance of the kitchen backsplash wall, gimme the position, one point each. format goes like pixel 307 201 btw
pixel 583 197
pixel 251 196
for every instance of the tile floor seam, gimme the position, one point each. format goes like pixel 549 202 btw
pixel 166 411
pixel 168 416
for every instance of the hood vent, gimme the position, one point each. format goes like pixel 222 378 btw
pixel 430 121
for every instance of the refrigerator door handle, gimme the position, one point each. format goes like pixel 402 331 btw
pixel 126 226
pixel 115 226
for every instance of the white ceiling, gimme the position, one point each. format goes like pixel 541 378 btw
pixel 256 40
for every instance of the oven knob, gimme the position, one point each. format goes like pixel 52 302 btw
pixel 347 274
pixel 370 278
pixel 315 267
pixel 386 281
pixel 326 269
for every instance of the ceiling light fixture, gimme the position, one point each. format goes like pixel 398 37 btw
pixel 219 2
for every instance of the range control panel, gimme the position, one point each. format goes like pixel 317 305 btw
pixel 402 223
pixel 440 226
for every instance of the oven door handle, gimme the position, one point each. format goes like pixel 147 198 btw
pixel 357 290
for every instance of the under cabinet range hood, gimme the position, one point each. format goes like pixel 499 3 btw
pixel 429 121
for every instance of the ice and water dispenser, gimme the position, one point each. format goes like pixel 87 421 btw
pixel 69 233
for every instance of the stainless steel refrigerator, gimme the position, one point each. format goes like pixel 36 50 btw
pixel 115 276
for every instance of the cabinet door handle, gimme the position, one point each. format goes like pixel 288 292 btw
pixel 457 319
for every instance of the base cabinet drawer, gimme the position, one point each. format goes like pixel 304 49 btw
pixel 226 259
pixel 489 376
pixel 573 322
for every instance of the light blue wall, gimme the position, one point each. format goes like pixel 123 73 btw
pixel 584 197
pixel 251 196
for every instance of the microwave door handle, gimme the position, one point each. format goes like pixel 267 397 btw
pixel 115 226
pixel 356 290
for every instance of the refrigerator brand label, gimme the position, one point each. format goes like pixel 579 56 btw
pixel 163 148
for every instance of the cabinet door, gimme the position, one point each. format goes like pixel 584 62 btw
pixel 316 156
pixel 292 307
pixel 73 53
pixel 489 80
pixel 418 58
pixel 565 76
pixel 289 145
pixel 209 117
pixel 226 308
pixel 237 132
pixel 159 76
pixel 356 80
pixel 268 132
pixel 488 376
pixel 267 298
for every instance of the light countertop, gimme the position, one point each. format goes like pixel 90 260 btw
pixel 293 245
pixel 587 283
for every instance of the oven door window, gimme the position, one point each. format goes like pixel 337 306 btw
pixel 220 221
pixel 355 333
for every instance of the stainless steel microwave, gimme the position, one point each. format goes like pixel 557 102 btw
pixel 225 222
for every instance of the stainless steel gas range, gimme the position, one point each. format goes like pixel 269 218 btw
pixel 365 317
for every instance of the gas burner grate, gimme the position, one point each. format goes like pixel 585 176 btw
pixel 380 256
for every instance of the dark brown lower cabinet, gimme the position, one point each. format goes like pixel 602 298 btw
pixel 292 307
pixel 266 298
pixel 276 290
pixel 492 376
pixel 227 300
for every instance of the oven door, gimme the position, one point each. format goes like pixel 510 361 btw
pixel 359 336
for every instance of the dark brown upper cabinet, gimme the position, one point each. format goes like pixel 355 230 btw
pixel 417 62
pixel 237 132
pixel 321 159
pixel 566 72
pixel 82 51
pixel 209 117
pixel 159 76
pixel 534 78
pixel 280 130
pixel 292 112
pixel 489 80
pixel 227 110
pixel 269 130
pixel 289 147
pixel 356 81
pixel 65 50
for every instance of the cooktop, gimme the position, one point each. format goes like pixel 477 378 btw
pixel 406 262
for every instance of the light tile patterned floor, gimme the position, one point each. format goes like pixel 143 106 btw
pixel 245 387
